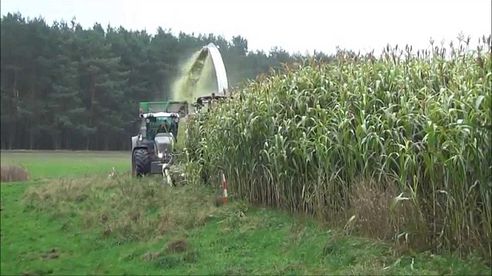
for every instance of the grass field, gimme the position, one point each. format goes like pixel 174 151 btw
pixel 70 218
pixel 53 164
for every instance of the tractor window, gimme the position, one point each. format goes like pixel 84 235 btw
pixel 160 125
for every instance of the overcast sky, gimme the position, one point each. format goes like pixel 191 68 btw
pixel 297 26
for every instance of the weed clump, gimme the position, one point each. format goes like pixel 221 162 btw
pixel 13 173
pixel 177 246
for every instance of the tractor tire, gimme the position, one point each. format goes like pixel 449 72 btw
pixel 141 162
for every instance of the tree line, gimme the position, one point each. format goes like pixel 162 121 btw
pixel 66 87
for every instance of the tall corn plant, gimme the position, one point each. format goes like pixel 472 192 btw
pixel 301 139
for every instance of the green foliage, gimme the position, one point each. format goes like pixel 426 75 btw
pixel 416 124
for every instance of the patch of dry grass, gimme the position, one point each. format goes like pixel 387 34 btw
pixel 382 212
pixel 11 173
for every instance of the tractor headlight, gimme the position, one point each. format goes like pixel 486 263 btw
pixel 160 155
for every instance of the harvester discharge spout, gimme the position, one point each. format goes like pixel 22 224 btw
pixel 188 88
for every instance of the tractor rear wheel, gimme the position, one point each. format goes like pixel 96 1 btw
pixel 141 162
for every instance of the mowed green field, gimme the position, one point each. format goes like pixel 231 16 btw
pixel 52 164
pixel 71 218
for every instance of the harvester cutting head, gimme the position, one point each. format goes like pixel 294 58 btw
pixel 207 101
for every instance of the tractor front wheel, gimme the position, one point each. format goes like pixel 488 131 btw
pixel 141 162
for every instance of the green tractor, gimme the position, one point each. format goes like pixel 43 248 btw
pixel 153 147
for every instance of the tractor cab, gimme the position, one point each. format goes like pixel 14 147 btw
pixel 159 123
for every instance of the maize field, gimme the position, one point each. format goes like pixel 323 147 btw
pixel 417 125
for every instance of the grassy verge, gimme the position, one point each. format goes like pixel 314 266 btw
pixel 100 225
